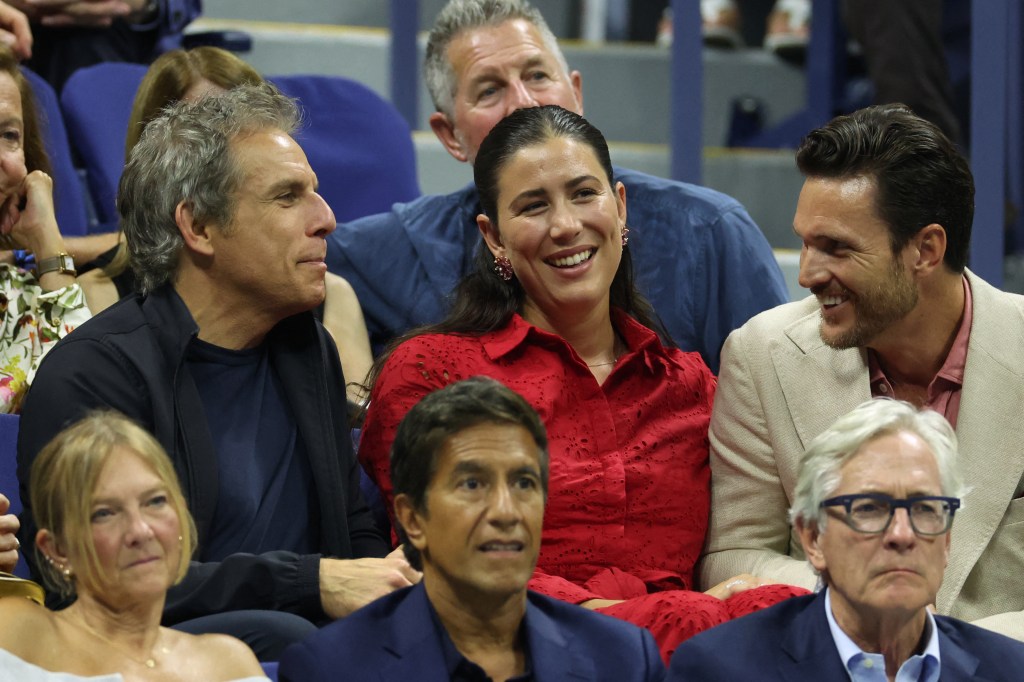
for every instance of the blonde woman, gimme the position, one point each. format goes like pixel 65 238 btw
pixel 117 548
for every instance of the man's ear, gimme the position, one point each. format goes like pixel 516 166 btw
pixel 411 521
pixel 576 79
pixel 489 231
pixel 195 233
pixel 810 538
pixel 929 248
pixel 445 131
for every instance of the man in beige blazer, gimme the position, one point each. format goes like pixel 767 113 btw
pixel 885 217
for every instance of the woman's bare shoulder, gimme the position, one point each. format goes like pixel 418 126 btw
pixel 35 625
pixel 216 657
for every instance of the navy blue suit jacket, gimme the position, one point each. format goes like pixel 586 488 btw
pixel 395 638
pixel 791 642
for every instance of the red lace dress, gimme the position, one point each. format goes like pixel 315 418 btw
pixel 629 495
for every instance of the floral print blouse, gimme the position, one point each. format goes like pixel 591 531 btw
pixel 31 322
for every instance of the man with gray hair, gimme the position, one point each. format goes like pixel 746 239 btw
pixel 700 259
pixel 222 360
pixel 873 508
pixel 470 471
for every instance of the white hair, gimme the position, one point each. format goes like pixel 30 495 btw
pixel 821 463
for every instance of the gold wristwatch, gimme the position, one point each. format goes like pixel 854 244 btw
pixel 61 263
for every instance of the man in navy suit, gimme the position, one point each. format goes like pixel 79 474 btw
pixel 470 471
pixel 873 508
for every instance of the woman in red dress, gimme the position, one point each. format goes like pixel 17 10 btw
pixel 552 312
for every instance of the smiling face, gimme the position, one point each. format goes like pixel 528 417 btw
pixel 848 263
pixel 479 531
pixel 500 69
pixel 135 532
pixel 271 255
pixel 12 128
pixel 559 222
pixel 893 571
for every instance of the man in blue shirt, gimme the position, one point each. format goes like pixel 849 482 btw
pixel 873 508
pixel 470 471
pixel 700 259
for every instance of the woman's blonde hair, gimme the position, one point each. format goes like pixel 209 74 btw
pixel 167 80
pixel 173 73
pixel 63 481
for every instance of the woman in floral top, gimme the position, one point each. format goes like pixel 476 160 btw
pixel 37 308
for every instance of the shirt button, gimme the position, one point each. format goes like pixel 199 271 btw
pixel 868 663
pixel 882 388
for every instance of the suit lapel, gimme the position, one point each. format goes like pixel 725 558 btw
pixel 551 655
pixel 988 429
pixel 412 643
pixel 818 382
pixel 811 653
pixel 956 663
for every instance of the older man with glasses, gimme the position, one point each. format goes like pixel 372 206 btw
pixel 874 504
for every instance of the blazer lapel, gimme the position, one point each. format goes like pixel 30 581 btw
pixel 956 663
pixel 811 653
pixel 819 383
pixel 988 430
pixel 413 643
pixel 551 653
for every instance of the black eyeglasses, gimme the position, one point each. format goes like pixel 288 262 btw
pixel 873 512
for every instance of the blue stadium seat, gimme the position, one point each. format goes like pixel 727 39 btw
pixel 69 198
pixel 97 103
pixel 357 143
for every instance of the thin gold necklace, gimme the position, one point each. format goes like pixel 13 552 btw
pixel 617 351
pixel 150 662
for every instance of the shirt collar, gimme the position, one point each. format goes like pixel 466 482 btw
pixel 501 342
pixel 459 667
pixel 952 370
pixel 848 649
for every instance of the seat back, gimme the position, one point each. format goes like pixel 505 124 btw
pixel 69 198
pixel 97 103
pixel 9 473
pixel 357 143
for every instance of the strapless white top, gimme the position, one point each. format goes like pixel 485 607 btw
pixel 13 669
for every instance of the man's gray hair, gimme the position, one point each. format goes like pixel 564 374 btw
pixel 184 155
pixel 464 15
pixel 821 463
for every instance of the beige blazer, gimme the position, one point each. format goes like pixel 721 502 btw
pixel 780 386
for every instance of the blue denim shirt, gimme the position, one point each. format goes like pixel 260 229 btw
pixel 700 260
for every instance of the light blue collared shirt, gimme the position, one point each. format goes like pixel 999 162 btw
pixel 865 667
